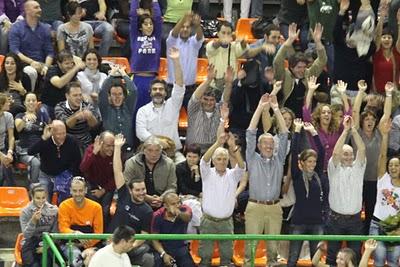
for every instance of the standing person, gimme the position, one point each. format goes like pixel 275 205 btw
pixel 145 34
pixel 75 36
pixel 132 210
pixel 263 214
pixel 37 217
pixel 219 196
pixel 7 142
pixel 30 125
pixel 310 189
pixel 53 15
pixel 10 12
pixel 346 176
pixel 30 39
pixel 387 200
pixel 115 254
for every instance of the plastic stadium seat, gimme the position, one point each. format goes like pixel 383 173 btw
pixel 202 65
pixel 163 70
pixel 120 61
pixel 183 119
pixel 120 39
pixel 17 250
pixel 1 60
pixel 12 201
pixel 243 29
pixel 194 252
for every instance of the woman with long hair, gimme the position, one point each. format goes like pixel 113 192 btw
pixel 14 82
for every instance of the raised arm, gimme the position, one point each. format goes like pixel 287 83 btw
pixel 362 87
pixel 360 157
pixel 338 149
pixel 198 29
pixel 320 148
pixel 338 32
pixel 316 259
pixel 228 77
pixel 312 87
pixel 384 128
pixel 295 148
pixel 204 86
pixel 117 162
pixel 318 65
pixel 398 30
pixel 278 115
pixel 235 152
pixel 279 60
pixel 387 108
pixel 369 247
pixel 341 86
pixel 379 26
pixel 174 55
pixel 221 139
pixel 263 104
pixel 176 30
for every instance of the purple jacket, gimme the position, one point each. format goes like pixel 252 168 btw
pixel 145 50
pixel 11 9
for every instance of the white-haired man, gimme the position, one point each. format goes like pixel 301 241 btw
pixel 219 195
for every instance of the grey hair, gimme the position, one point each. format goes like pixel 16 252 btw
pixel 152 141
pixel 265 135
pixel 166 194
pixel 220 151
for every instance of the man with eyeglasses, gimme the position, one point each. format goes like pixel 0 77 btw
pixel 78 215
pixel 132 210
pixel 59 159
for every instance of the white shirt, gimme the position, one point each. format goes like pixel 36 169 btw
pixel 161 121
pixel 219 192
pixel 107 257
pixel 387 198
pixel 346 187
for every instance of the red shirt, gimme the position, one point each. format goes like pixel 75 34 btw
pixel 383 69
pixel 98 170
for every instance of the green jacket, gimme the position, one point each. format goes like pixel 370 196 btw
pixel 285 75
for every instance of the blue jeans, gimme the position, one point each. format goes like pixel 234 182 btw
pixel 48 182
pixel 105 31
pixel 343 225
pixel 384 251
pixel 54 24
pixel 295 246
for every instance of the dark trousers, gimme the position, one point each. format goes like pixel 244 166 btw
pixel 181 256
pixel 369 199
pixel 338 224
pixel 105 202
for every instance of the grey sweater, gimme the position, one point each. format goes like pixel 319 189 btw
pixel 47 223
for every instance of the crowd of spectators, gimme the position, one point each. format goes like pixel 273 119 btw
pixel 302 138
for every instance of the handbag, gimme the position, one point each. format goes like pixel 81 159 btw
pixel 62 182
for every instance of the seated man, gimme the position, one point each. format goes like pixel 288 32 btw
pixel 97 167
pixel 30 39
pixel 114 254
pixel 132 210
pixel 173 218
pixel 57 79
pixel 117 102
pixel 59 159
pixel 154 168
pixel 78 115
pixel 78 215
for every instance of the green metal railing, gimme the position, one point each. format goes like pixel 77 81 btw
pixel 253 239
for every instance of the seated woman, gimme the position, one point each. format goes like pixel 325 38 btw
pixel 14 82
pixel 7 142
pixel 37 217
pixel 74 35
pixel 30 125
pixel 91 78
pixel 188 172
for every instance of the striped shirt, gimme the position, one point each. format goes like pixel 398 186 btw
pixel 81 130
pixel 202 129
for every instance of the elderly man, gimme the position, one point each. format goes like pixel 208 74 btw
pixel 117 102
pixel 263 212
pixel 78 115
pixel 97 167
pixel 346 177
pixel 79 214
pixel 30 39
pixel 132 210
pixel 154 168
pixel 160 116
pixel 219 195
pixel 173 218
pixel 59 159
pixel 204 112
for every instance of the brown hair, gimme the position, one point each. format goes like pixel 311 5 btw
pixel 316 118
pixel 307 153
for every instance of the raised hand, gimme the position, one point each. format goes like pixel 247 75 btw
pixel 97 145
pixel 370 244
pixel 119 140
pixel 298 124
pixel 312 83
pixel 231 141
pixel 224 112
pixel 309 128
pixel 362 85
pixel 222 138
pixel 46 132
pixel 341 86
pixel 264 100
pixel 293 33
pixel 347 122
pixel 385 127
pixel 211 72
pixel 389 87
pixel 174 53
pixel 317 33
pixel 322 246
pixel 273 102
pixel 277 87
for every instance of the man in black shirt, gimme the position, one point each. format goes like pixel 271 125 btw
pixel 59 158
pixel 132 210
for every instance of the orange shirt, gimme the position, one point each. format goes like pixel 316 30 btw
pixel 90 214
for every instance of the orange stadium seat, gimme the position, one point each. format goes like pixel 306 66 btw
pixel 1 61
pixel 12 201
pixel 243 29
pixel 194 252
pixel 17 250
pixel 183 119
pixel 238 253
pixel 202 65
pixel 163 69
pixel 120 61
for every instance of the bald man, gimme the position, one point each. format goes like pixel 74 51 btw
pixel 59 159
pixel 30 39
pixel 97 168
pixel 346 177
